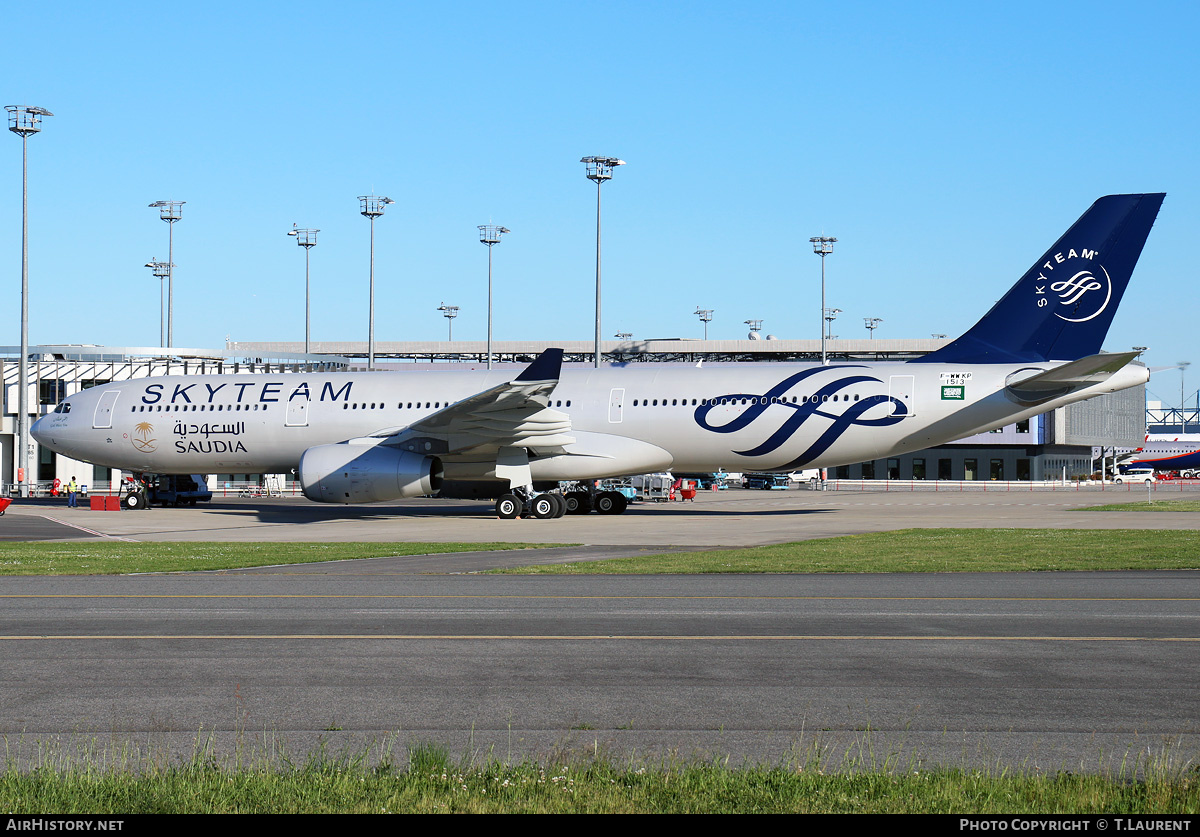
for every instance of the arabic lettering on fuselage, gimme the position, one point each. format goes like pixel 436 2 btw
pixel 267 393
pixel 208 429
pixel 818 404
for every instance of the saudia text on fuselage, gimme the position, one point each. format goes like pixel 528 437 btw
pixel 204 440
pixel 267 393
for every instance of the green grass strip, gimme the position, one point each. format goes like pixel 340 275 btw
pixel 598 787
pixel 1154 506
pixel 926 551
pixel 117 557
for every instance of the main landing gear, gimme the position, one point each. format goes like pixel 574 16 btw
pixel 523 503
pixel 541 506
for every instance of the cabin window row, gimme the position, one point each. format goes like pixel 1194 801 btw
pixel 712 402
pixel 186 408
pixel 409 405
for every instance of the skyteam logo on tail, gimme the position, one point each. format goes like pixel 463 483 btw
pixel 1082 296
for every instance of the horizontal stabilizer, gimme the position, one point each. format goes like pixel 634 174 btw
pixel 1031 385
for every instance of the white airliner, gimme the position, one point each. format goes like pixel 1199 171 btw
pixel 1167 452
pixel 360 437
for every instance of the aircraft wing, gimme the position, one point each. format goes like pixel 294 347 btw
pixel 514 414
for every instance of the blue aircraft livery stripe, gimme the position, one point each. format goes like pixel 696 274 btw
pixel 817 405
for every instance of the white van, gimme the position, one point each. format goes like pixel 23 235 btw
pixel 1145 475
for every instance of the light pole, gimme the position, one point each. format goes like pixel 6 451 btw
pixel 755 328
pixel 308 240
pixel 490 234
pixel 599 169
pixel 450 312
pixel 705 315
pixel 24 120
pixel 823 246
pixel 872 323
pixel 161 271
pixel 830 316
pixel 371 207
pixel 1183 365
pixel 170 211
pixel 623 335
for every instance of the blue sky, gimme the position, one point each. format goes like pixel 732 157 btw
pixel 946 145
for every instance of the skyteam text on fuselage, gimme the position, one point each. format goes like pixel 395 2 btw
pixel 372 436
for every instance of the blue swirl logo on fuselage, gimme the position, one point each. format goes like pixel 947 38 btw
pixel 819 404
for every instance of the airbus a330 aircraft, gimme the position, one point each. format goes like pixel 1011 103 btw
pixel 360 437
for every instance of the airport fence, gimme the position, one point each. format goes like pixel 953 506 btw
pixel 1157 487
pixel 239 488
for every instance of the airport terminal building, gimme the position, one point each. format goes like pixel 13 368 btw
pixel 1051 446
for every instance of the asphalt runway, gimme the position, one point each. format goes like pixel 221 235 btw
pixel 1038 671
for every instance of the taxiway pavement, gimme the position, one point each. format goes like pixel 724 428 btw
pixel 1039 671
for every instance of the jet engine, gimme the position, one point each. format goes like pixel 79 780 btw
pixel 358 473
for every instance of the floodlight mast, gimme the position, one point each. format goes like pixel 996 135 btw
pixel 830 316
pixel 823 246
pixel 872 323
pixel 490 234
pixel 170 211
pixel 308 240
pixel 23 120
pixel 705 315
pixel 1183 365
pixel 449 312
pixel 599 169
pixel 371 207
pixel 161 271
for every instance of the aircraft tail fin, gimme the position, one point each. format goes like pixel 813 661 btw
pixel 1062 307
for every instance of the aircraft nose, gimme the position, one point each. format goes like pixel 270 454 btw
pixel 36 430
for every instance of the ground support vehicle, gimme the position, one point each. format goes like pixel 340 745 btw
pixel 767 482
pixel 655 487
pixel 600 496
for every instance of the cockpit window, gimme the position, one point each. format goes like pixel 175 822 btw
pixel 63 407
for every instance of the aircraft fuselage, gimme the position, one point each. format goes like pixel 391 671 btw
pixel 745 417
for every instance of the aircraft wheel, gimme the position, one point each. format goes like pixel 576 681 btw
pixel 611 502
pixel 543 506
pixel 577 502
pixel 508 507
pixel 560 505
pixel 132 501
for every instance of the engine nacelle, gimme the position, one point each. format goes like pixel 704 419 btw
pixel 357 473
